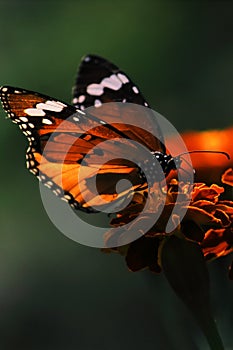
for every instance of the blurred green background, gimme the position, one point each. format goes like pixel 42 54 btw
pixel 54 293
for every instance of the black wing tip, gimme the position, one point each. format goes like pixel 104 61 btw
pixel 93 57
pixel 98 60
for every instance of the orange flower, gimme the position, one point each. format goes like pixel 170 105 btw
pixel 204 233
pixel 208 222
pixel 210 167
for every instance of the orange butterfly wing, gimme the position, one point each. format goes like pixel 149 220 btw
pixel 60 137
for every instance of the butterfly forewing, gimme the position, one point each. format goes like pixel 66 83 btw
pixel 100 81
pixel 66 142
pixel 60 137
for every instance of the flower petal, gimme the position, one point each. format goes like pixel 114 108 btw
pixel 201 217
pixel 217 243
pixel 227 177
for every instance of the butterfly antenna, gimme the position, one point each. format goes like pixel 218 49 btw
pixel 206 151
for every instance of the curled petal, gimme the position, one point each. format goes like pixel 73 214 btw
pixel 208 193
pixel 227 177
pixel 226 202
pixel 217 243
pixel 204 204
pixel 225 206
pixel 201 217
pixel 220 214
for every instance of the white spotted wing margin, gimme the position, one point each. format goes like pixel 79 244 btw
pixel 38 117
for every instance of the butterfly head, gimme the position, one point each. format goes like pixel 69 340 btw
pixel 159 167
pixel 167 162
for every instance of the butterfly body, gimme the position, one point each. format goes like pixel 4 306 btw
pixel 167 162
pixel 66 142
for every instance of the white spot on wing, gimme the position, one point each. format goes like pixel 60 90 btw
pixel 123 78
pixel 81 98
pixel 113 83
pixel 24 119
pixel 98 103
pixel 67 196
pixel 47 121
pixel 54 106
pixel 34 112
pixel 135 89
pixel 95 89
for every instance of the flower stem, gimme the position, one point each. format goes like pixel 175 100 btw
pixel 208 326
pixel 185 268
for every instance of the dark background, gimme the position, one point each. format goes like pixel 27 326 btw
pixel 54 293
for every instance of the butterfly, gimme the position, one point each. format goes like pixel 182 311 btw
pixel 64 138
